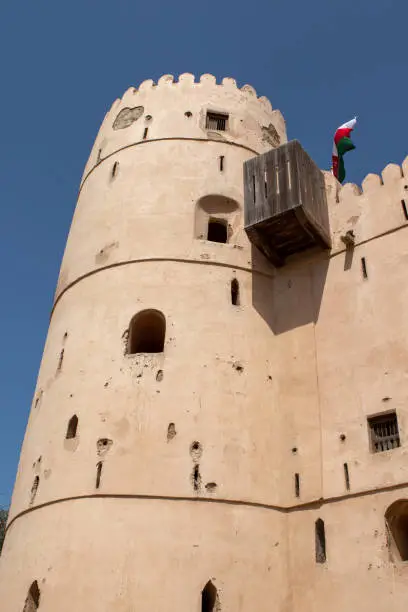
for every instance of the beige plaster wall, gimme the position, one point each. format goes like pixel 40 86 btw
pixel 266 387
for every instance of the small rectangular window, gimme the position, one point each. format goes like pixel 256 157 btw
pixel 216 121
pixel 145 133
pixel 297 485
pixel 384 432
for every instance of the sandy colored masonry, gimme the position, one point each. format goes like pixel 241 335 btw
pixel 211 461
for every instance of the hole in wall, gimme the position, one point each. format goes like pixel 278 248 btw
pixel 60 360
pixel 235 292
pixel 103 445
pixel 320 541
pixel 188 114
pixel 159 375
pixel 171 432
pixel 211 486
pixel 34 489
pixel 145 133
pixel 115 169
pixel 196 450
pixel 364 267
pixel 209 598
pixel 72 427
pixel 221 161
pixel 297 485
pixel 196 477
pixel 346 476
pixel 98 474
pixel 32 601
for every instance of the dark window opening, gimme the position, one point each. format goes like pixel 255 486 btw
pixel 297 485
pixel 346 476
pixel 34 489
pixel 217 231
pixel 72 427
pixel 254 187
pixel 115 169
pixel 364 267
pixel 384 432
pixel 98 474
pixel 396 518
pixel 266 184
pixel 234 292
pixel 216 121
pixel 145 133
pixel 209 598
pixel 32 601
pixel 147 332
pixel 98 159
pixel 320 540
pixel 221 163
pixel 404 209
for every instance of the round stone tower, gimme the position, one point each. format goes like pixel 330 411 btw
pixel 152 461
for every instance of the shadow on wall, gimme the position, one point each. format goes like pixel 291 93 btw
pixel 293 297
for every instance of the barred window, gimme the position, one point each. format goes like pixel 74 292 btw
pixel 384 432
pixel 216 121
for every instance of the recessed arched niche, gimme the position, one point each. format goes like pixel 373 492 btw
pixel 216 218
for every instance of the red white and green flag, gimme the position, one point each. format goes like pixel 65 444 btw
pixel 342 144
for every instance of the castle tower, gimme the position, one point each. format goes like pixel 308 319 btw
pixel 210 432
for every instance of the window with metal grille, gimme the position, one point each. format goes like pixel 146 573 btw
pixel 384 432
pixel 216 121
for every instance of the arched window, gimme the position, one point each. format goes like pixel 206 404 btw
pixel 32 602
pixel 147 332
pixel 320 541
pixel 396 518
pixel 234 292
pixel 34 489
pixel 72 427
pixel 209 598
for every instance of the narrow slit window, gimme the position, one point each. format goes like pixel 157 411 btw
pixel 346 476
pixel 364 267
pixel 32 602
pixel 145 133
pixel 217 230
pixel 115 168
pixel 34 490
pixel 404 209
pixel 320 540
pixel 216 121
pixel 266 184
pixel 98 474
pixel 234 292
pixel 384 432
pixel 209 598
pixel 98 159
pixel 221 163
pixel 72 427
pixel 254 187
pixel 147 331
pixel 297 485
pixel 60 360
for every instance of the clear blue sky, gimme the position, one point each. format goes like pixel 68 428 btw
pixel 63 63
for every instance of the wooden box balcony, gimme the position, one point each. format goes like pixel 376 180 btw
pixel 285 203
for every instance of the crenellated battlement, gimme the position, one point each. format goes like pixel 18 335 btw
pixel 375 208
pixel 177 108
pixel 205 81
